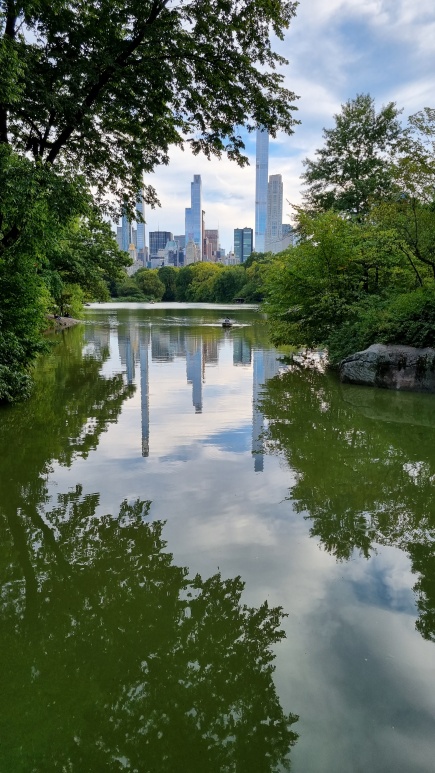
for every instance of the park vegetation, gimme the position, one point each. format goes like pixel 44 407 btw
pixel 92 97
pixel 363 271
pixel 200 282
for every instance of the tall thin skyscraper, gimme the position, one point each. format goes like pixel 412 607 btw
pixel 274 214
pixel 193 219
pixel 261 175
pixel 140 228
pixel 125 233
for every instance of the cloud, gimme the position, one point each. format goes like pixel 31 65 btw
pixel 335 49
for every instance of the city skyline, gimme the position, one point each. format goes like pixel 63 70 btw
pixel 336 51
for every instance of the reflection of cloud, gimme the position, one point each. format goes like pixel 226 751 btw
pixel 234 440
pixel 352 664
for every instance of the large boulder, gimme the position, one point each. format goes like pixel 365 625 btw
pixel 391 367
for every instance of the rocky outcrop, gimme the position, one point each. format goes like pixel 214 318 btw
pixel 391 367
pixel 60 323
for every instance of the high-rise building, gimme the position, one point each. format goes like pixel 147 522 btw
pixel 140 228
pixel 194 215
pixel 261 173
pixel 273 241
pixel 125 233
pixel 211 244
pixel 158 241
pixel 243 246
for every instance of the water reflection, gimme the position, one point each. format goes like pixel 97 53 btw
pixel 128 663
pixel 116 658
pixel 365 464
pixel 140 343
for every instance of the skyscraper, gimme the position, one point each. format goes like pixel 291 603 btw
pixel 158 241
pixel 125 233
pixel 211 244
pixel 261 173
pixel 243 246
pixel 193 215
pixel 273 241
pixel 140 228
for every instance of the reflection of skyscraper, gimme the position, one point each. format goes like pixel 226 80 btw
pixel 241 351
pixel 127 345
pixel 266 366
pixel 257 418
pixel 261 174
pixel 161 349
pixel 210 351
pixel 144 338
pixel 194 365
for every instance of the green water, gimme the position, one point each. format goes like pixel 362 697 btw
pixel 168 488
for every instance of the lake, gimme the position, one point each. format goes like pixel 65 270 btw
pixel 213 560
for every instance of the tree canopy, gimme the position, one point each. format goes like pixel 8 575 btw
pixel 106 87
pixel 353 166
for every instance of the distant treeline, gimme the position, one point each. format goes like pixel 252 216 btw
pixel 198 283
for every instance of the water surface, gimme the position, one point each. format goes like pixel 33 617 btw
pixel 167 489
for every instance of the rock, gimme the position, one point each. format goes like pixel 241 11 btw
pixel 60 323
pixel 391 367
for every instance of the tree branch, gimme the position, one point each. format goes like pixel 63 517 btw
pixel 105 77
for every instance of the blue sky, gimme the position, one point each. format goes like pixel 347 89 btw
pixel 336 49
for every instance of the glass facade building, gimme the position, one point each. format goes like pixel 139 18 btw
pixel 193 215
pixel 261 176
pixel 243 243
pixel 140 228
pixel 274 214
pixel 158 241
pixel 125 233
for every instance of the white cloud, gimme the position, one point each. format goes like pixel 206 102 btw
pixel 335 50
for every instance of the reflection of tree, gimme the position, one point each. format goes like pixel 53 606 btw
pixel 361 479
pixel 113 659
pixel 71 406
pixel 129 665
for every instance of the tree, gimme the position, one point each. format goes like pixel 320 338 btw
pixel 93 95
pixel 354 166
pixel 107 87
pixel 149 283
pixel 330 277
pixel 194 687
pixel 85 254
pixel 202 287
pixel 168 275
pixel 228 283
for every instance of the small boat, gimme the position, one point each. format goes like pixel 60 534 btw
pixel 227 323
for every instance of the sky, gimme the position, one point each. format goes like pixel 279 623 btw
pixel 336 49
